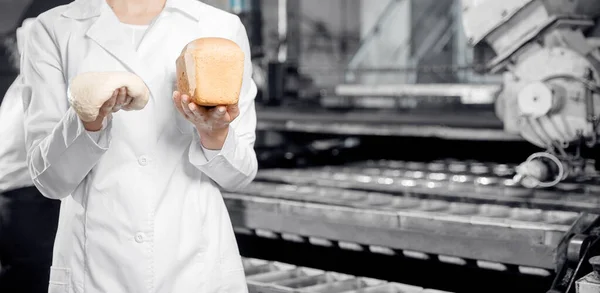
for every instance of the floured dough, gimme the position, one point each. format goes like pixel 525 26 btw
pixel 210 71
pixel 89 91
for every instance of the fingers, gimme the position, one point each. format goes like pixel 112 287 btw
pixel 128 101
pixel 127 104
pixel 177 102
pixel 197 112
pixel 221 115
pixel 234 111
pixel 185 105
pixel 185 108
pixel 218 116
pixel 219 112
pixel 120 100
pixel 107 107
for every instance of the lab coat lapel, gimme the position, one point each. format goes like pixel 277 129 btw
pixel 108 34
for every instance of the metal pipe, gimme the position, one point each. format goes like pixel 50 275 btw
pixel 594 42
pixel 469 94
pixel 282 21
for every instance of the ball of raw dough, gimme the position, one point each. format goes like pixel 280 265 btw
pixel 90 90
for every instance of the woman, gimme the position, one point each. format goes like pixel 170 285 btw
pixel 141 209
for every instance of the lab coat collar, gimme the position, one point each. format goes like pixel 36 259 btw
pixel 107 32
pixel 84 9
pixel 187 7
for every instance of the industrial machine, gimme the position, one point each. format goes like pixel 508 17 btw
pixel 549 52
pixel 441 186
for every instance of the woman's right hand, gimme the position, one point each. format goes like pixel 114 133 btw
pixel 117 101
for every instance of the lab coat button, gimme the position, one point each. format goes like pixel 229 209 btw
pixel 139 237
pixel 143 161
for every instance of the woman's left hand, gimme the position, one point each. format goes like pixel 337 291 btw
pixel 211 123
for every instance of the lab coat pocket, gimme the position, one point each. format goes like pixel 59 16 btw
pixel 60 280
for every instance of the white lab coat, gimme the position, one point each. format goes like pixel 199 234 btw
pixel 141 207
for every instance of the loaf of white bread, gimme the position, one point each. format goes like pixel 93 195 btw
pixel 210 71
pixel 89 91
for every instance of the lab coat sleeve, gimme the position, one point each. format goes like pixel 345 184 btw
pixel 60 152
pixel 235 166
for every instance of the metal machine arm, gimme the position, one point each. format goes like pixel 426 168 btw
pixel 549 53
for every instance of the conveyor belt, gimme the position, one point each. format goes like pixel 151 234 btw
pixel 455 181
pixel 273 277
pixel 455 216
pixel 450 232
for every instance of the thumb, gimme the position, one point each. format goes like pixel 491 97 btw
pixel 233 110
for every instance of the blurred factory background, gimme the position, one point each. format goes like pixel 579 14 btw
pixel 416 145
